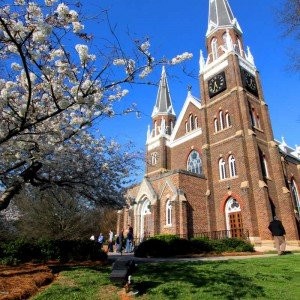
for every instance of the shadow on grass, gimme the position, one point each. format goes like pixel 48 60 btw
pixel 171 279
pixel 65 267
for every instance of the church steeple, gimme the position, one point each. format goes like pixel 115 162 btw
pixel 221 16
pixel 163 115
pixel 224 36
pixel 163 105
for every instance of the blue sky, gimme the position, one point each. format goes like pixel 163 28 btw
pixel 174 27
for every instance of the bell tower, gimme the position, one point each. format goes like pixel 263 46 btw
pixel 163 122
pixel 241 160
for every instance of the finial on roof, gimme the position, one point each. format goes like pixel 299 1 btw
pixel 250 57
pixel 201 62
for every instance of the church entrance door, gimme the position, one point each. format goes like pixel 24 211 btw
pixel 236 224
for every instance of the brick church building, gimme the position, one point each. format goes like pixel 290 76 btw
pixel 215 169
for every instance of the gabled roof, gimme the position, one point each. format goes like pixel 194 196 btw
pixel 220 16
pixel 189 99
pixel 163 105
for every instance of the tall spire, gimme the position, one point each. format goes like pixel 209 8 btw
pixel 163 105
pixel 221 16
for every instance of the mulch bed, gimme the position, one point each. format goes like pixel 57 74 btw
pixel 25 280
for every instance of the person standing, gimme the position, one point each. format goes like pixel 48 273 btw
pixel 101 239
pixel 278 233
pixel 129 240
pixel 119 242
pixel 110 241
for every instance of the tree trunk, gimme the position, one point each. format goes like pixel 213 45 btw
pixel 9 193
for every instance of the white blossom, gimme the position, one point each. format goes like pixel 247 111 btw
pixel 19 2
pixel 50 2
pixel 180 58
pixel 119 62
pixel 16 67
pixel 62 10
pixel 56 53
pixel 83 53
pixel 77 27
pixel 34 10
pixel 130 67
pixel 73 16
pixel 146 71
pixel 118 95
pixel 145 46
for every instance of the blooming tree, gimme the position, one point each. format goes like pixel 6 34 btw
pixel 52 88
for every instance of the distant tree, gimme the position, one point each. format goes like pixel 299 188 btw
pixel 289 18
pixel 52 89
pixel 55 214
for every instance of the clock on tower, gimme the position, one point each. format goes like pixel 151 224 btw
pixel 249 82
pixel 217 84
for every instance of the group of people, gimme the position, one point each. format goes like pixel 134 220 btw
pixel 276 228
pixel 120 241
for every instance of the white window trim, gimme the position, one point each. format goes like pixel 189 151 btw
pixel 222 169
pixel 168 213
pixel 232 166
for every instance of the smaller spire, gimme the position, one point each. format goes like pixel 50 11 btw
pixel 163 103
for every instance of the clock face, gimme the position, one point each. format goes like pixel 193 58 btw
pixel 217 84
pixel 249 82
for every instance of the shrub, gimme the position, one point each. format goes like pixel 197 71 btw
pixel 167 237
pixel 171 245
pixel 201 245
pixel 152 248
pixel 231 245
pixel 21 250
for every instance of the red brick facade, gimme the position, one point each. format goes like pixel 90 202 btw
pixel 246 175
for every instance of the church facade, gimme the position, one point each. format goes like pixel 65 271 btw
pixel 216 170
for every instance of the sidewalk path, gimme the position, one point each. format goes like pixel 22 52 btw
pixel 128 256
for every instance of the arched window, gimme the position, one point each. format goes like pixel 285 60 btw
pixel 264 164
pixel 253 118
pixel 221 120
pixel 169 212
pixel 192 125
pixel 227 119
pixel 172 126
pixel 153 158
pixel 214 48
pixel 222 168
pixel 258 122
pixel 216 125
pixel 225 40
pixel 232 166
pixel 155 128
pixel 196 122
pixel 265 167
pixel 194 163
pixel 186 127
pixel 295 196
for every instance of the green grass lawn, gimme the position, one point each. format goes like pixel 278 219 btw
pixel 255 278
